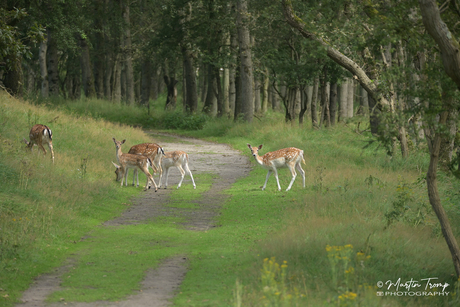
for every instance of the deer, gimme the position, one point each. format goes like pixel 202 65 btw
pixel 178 159
pixel 287 157
pixel 152 151
pixel 40 135
pixel 127 161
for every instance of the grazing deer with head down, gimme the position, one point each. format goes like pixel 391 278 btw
pixel 178 159
pixel 128 161
pixel 150 150
pixel 287 157
pixel 40 135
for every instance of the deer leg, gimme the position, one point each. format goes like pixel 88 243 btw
pixel 125 170
pixel 149 179
pixel 166 178
pixel 156 187
pixel 266 179
pixel 182 173
pixel 187 169
pixel 302 172
pixel 136 176
pixel 161 177
pixel 275 172
pixel 42 148
pixel 50 145
pixel 294 174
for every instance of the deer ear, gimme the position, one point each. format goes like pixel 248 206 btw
pixel 249 145
pixel 122 142
pixel 117 166
pixel 260 146
pixel 114 140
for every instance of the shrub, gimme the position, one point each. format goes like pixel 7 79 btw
pixel 179 120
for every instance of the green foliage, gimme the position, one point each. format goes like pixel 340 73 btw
pixel 406 207
pixel 179 120
pixel 12 40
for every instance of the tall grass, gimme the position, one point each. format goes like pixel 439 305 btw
pixel 356 196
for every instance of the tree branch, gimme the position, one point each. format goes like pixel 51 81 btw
pixel 335 55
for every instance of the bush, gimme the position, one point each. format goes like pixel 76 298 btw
pixel 179 120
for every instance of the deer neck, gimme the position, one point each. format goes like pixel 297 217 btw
pixel 118 153
pixel 259 159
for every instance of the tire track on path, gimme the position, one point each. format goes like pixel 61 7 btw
pixel 161 283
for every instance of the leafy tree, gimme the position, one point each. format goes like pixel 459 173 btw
pixel 449 48
pixel 14 45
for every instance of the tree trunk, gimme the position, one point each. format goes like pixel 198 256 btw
pixel 171 99
pixel 116 80
pixel 108 76
pixel 43 70
pixel 350 98
pixel 219 93
pixel 236 115
pixel 333 103
pixel 325 114
pixel 203 80
pixel 363 102
pixel 211 98
pixel 128 58
pixel 233 72
pixel 257 104
pixel 435 200
pixel 86 70
pixel 52 65
pixel 72 81
pixel 146 83
pixel 343 101
pixel 314 103
pixel 191 95
pixel 451 60
pixel 246 70
pixel 437 29
pixel 226 91
pixel 266 84
pixel 30 80
pixel 303 105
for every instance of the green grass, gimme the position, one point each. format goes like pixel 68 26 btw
pixel 350 191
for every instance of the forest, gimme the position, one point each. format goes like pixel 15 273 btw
pixel 393 65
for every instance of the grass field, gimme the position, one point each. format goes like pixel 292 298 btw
pixel 363 217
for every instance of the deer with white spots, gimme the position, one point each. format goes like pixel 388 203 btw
pixel 128 161
pixel 152 151
pixel 40 135
pixel 178 159
pixel 288 157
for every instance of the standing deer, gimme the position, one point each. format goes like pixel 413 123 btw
pixel 178 159
pixel 40 135
pixel 128 161
pixel 287 157
pixel 150 150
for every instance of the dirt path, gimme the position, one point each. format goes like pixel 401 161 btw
pixel 160 283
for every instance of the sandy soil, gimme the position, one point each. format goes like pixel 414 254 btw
pixel 161 283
